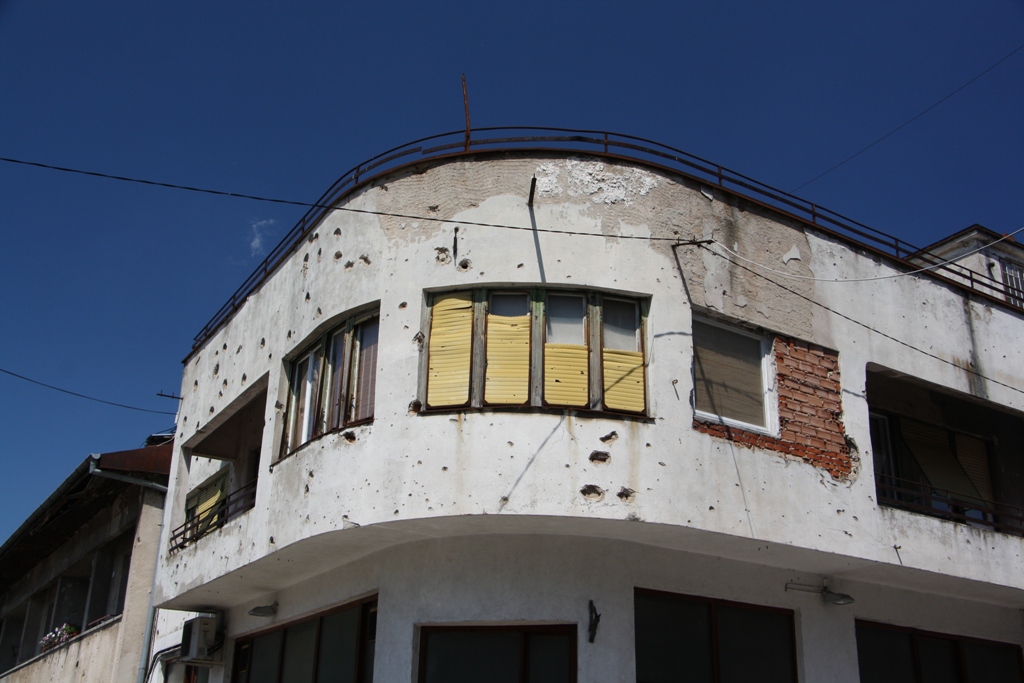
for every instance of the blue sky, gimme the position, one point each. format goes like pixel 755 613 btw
pixel 104 284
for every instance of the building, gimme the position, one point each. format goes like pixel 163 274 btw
pixel 76 576
pixel 556 405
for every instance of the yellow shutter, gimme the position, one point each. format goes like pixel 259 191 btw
pixel 566 379
pixel 508 360
pixel 451 342
pixel 623 380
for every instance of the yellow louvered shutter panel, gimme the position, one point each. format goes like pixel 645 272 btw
pixel 451 342
pixel 566 379
pixel 624 380
pixel 209 498
pixel 508 360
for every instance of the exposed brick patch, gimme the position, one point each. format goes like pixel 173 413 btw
pixel 810 410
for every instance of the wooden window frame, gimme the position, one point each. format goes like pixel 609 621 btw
pixel 568 629
pixel 593 336
pixel 321 398
pixel 769 382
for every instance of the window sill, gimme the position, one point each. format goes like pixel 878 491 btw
pixel 710 418
pixel 543 410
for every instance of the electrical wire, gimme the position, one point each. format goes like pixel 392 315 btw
pixel 907 122
pixel 865 325
pixel 867 279
pixel 91 398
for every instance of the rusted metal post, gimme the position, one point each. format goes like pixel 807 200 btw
pixel 465 104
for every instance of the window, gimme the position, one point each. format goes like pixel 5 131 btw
pixel 699 640
pixel 732 377
pixel 890 654
pixel 203 507
pixel 554 348
pixel 333 382
pixel 336 647
pixel 498 654
pixel 1013 279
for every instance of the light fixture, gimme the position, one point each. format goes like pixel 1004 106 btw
pixel 264 610
pixel 829 597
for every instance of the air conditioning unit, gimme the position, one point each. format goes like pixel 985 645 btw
pixel 199 642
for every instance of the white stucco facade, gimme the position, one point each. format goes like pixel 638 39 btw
pixel 501 516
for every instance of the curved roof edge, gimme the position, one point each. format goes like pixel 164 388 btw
pixel 613 146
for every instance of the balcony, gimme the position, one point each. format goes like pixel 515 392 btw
pixel 214 517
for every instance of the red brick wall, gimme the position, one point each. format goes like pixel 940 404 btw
pixel 810 410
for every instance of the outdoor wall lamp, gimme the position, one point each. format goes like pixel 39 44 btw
pixel 264 610
pixel 829 597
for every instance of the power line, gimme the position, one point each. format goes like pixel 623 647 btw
pixel 91 398
pixel 867 279
pixel 329 207
pixel 907 122
pixel 864 325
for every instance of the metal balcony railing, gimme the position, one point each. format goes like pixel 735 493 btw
pixel 220 514
pixel 601 144
pixel 924 498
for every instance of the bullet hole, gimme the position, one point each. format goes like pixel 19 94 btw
pixel 349 265
pixel 417 338
pixel 289 334
pixel 319 312
pixel 314 237
pixel 626 494
pixel 319 252
pixel 307 489
pixel 396 512
pixel 415 407
pixel 434 207
pixel 443 256
pixel 211 410
pixel 511 444
pixel 648 445
pixel 271 539
pixel 365 259
pixel 337 231
pixel 238 350
pixel 444 469
pixel 337 256
pixel 305 259
pixel 269 356
pixel 195 385
pixel 307 296
pixel 464 265
pixel 711 507
pixel 520 265
pixel 504 500
pixel 661 463
pixel 349 436
pixel 243 378
pixel 184 420
pixel 263 342
pixel 279 406
pixel 600 456
pixel 402 305
pixel 610 437
pixel 592 492
pixel 216 369
pixel 224 384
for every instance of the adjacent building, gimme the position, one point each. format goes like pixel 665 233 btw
pixel 569 406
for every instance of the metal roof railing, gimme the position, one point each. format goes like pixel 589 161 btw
pixel 601 144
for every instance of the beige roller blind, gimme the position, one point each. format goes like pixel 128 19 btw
pixel 727 374
pixel 508 360
pixel 450 349
pixel 566 379
pixel 623 380
pixel 365 384
pixel 973 456
pixel 931 449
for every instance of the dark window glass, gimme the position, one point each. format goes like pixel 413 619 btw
pixel 266 658
pixel 498 655
pixel 338 647
pixel 992 662
pixel 939 660
pixel 755 645
pixel 884 655
pixel 672 637
pixel 549 657
pixel 299 650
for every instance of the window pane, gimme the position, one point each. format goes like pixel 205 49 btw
pixel 337 379
pixel 550 658
pixel 884 655
pixel 992 662
pixel 301 385
pixel 299 648
pixel 266 658
pixel 366 371
pixel 727 374
pixel 673 640
pixel 509 305
pixel 755 645
pixel 620 325
pixel 472 656
pixel 339 647
pixel 565 318
pixel 940 660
